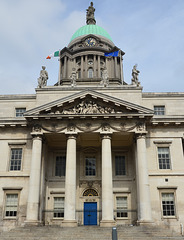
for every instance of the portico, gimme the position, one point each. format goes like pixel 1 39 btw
pixel 93 148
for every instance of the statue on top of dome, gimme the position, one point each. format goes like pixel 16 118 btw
pixel 90 19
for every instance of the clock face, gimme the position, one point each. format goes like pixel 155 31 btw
pixel 90 42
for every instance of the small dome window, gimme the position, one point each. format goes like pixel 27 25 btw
pixel 90 73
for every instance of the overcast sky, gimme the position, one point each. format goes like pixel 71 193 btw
pixel 150 32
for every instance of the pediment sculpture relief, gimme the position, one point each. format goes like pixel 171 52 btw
pixel 87 107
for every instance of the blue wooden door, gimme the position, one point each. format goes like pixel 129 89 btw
pixel 90 213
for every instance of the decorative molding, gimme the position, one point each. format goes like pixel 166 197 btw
pixel 17 143
pixel 162 141
pixel 167 187
pixel 12 188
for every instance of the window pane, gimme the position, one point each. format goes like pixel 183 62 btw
pixel 164 158
pixel 60 166
pixel 20 112
pixel 15 160
pixel 58 207
pixel 90 73
pixel 122 206
pixel 11 205
pixel 90 166
pixel 120 165
pixel 159 110
pixel 168 205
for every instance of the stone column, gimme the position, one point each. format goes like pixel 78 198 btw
pixel 99 72
pixel 143 190
pixel 82 67
pixel 34 181
pixel 107 191
pixel 86 67
pixel 116 67
pixel 70 183
pixel 94 65
pixel 65 67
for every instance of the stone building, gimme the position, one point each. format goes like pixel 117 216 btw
pixel 92 149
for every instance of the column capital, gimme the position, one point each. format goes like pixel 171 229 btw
pixel 36 132
pixel 140 135
pixel 106 135
pixel 71 135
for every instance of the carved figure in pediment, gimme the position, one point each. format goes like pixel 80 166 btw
pixel 135 74
pixel 73 78
pixel 42 80
pixel 88 107
pixel 105 78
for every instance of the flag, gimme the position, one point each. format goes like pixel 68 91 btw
pixel 55 54
pixel 112 54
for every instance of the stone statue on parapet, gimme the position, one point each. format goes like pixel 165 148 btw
pixel 73 77
pixel 135 74
pixel 42 80
pixel 105 78
pixel 90 19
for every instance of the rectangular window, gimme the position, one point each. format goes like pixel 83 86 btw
pixel 60 166
pixel 164 158
pixel 90 166
pixel 58 207
pixel 20 112
pixel 159 110
pixel 120 165
pixel 122 206
pixel 15 159
pixel 11 205
pixel 168 205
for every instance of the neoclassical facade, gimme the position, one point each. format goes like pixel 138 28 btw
pixel 92 149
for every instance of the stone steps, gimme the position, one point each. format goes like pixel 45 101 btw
pixel 89 233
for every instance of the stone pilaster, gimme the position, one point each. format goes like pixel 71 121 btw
pixel 107 191
pixel 143 190
pixel 70 183
pixel 34 181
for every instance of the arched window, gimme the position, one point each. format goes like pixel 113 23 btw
pixel 90 192
pixel 90 73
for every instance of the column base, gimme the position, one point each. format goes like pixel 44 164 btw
pixel 32 223
pixel 69 223
pixel 107 223
pixel 145 223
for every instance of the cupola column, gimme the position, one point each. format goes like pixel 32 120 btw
pixel 143 190
pixel 107 191
pixel 116 67
pixel 65 67
pixel 82 66
pixel 86 66
pixel 99 72
pixel 70 182
pixel 94 65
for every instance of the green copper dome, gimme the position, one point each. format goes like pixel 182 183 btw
pixel 91 29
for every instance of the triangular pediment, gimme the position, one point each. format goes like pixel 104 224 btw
pixel 89 103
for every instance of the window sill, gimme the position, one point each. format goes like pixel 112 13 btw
pixel 10 218
pixel 169 217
